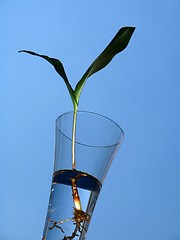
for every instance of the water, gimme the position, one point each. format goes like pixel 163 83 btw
pixel 61 205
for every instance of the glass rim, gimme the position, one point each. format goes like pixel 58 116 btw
pixel 97 114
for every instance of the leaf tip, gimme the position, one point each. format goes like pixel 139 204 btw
pixel 21 51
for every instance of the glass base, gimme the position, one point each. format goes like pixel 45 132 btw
pixel 72 201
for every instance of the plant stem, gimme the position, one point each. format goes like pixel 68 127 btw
pixel 74 136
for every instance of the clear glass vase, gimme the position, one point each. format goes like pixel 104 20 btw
pixel 74 192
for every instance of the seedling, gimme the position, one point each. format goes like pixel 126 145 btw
pixel 117 45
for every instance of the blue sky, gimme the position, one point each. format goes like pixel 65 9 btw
pixel 140 90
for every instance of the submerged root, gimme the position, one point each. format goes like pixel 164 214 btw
pixel 79 215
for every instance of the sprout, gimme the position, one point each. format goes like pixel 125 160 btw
pixel 117 45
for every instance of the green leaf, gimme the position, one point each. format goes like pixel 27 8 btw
pixel 117 45
pixel 59 69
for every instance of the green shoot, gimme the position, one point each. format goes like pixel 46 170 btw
pixel 117 45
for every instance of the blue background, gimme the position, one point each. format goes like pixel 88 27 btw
pixel 140 90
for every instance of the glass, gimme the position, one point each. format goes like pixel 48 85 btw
pixel 74 192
